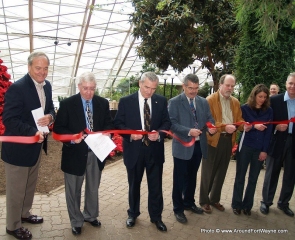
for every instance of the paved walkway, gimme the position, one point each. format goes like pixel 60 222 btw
pixel 113 205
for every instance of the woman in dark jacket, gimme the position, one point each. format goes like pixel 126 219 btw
pixel 252 148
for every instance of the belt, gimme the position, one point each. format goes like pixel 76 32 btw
pixel 225 134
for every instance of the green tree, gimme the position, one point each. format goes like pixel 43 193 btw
pixel 257 62
pixel 269 15
pixel 177 32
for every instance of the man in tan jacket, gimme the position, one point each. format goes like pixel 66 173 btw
pixel 225 109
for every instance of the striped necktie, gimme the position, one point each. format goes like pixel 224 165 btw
pixel 191 103
pixel 147 121
pixel 89 116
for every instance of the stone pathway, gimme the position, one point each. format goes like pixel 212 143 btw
pixel 113 206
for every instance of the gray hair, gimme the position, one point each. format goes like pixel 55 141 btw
pixel 222 78
pixel 150 75
pixel 291 75
pixel 87 77
pixel 34 55
pixel 192 78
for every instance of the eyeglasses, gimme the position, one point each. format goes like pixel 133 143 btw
pixel 91 89
pixel 192 89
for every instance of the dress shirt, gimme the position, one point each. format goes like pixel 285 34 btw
pixel 141 107
pixel 227 115
pixel 291 109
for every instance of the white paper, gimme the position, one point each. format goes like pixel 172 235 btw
pixel 100 144
pixel 242 140
pixel 37 114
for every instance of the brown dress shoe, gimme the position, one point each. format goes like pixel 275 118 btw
pixel 20 233
pixel 206 208
pixel 218 206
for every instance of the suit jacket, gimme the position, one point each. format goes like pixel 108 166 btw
pixel 280 112
pixel 70 119
pixel 128 117
pixel 216 110
pixel 20 99
pixel 183 120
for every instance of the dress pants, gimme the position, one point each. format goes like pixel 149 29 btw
pixel 73 186
pixel 154 172
pixel 246 156
pixel 273 169
pixel 214 170
pixel 20 189
pixel 185 179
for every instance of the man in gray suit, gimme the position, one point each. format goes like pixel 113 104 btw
pixel 188 114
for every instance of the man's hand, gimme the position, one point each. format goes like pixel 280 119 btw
pixel 136 137
pixel 281 127
pixel 262 156
pixel 195 132
pixel 44 121
pixel 230 128
pixel 153 136
pixel 212 130
pixel 80 139
pixel 41 136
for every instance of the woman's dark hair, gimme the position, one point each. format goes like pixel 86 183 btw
pixel 252 97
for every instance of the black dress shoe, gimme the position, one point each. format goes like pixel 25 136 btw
pixel 20 233
pixel 34 219
pixel 95 223
pixel 264 208
pixel 287 211
pixel 194 209
pixel 76 230
pixel 237 211
pixel 180 217
pixel 160 225
pixel 130 222
pixel 247 212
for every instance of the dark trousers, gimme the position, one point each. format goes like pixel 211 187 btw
pixel 273 169
pixel 246 156
pixel 214 171
pixel 154 172
pixel 185 179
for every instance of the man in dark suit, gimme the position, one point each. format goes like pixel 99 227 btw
pixel 189 114
pixel 141 152
pixel 78 161
pixel 22 160
pixel 280 151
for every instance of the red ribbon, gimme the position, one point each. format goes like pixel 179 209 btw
pixel 19 139
pixel 69 137
pixel 72 137
pixel 210 125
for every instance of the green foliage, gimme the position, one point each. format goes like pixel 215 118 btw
pixel 259 63
pixel 173 31
pixel 168 93
pixel 204 90
pixel 60 98
pixel 269 15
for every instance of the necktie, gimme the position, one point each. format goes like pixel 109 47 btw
pixel 89 116
pixel 191 103
pixel 147 121
pixel 41 95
